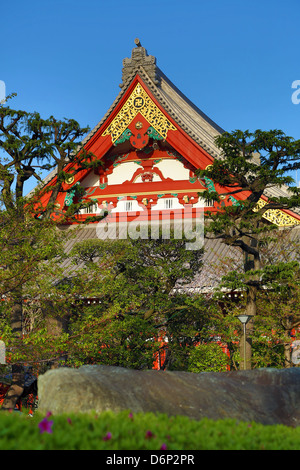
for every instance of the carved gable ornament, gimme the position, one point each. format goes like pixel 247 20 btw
pixel 139 103
pixel 277 216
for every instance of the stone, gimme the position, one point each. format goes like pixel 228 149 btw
pixel 139 58
pixel 267 396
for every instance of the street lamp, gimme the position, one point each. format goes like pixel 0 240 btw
pixel 2 352
pixel 244 320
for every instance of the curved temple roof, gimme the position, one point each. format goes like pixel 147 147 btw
pixel 191 119
pixel 194 122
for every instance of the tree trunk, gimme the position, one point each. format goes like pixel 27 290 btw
pixel 18 375
pixel 55 327
pixel 251 262
pixel 287 356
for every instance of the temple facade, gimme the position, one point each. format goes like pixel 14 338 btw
pixel 150 142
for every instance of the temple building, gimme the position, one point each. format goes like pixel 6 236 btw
pixel 150 142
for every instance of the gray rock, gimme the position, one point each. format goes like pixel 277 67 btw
pixel 267 396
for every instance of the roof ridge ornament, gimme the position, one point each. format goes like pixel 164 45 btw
pixel 139 58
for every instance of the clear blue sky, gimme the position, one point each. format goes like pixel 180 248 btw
pixel 236 60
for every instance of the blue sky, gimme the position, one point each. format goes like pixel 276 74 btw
pixel 236 60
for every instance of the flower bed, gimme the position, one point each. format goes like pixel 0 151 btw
pixel 128 431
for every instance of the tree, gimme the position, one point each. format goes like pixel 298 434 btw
pixel 137 301
pixel 208 358
pixel 29 145
pixel 238 173
pixel 282 287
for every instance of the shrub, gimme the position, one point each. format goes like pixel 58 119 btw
pixel 207 358
pixel 141 431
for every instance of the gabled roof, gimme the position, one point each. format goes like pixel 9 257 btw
pixel 195 132
pixel 190 119
pixel 187 116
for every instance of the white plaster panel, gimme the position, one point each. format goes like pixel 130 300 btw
pixel 90 180
pixel 122 172
pixel 173 169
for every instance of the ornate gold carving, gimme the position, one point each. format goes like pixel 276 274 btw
pixel 139 102
pixel 277 216
pixel 70 179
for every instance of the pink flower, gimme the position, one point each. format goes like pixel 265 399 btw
pixel 149 434
pixel 107 437
pixel 130 415
pixel 46 426
pixel 49 413
pixel 163 446
pixel 69 420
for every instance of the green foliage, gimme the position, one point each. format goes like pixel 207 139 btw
pixel 251 163
pixel 119 340
pixel 148 431
pixel 240 168
pixel 208 357
pixel 133 280
pixel 192 319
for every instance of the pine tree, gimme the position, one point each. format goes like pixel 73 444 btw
pixel 30 145
pixel 252 166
